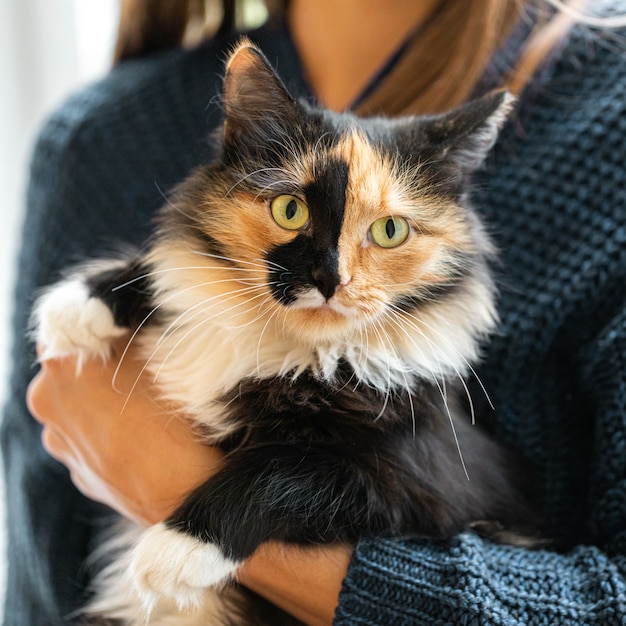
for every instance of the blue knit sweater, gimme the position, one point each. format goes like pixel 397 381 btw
pixel 554 195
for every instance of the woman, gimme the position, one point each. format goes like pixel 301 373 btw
pixel 553 194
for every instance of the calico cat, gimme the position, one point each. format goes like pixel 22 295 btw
pixel 313 299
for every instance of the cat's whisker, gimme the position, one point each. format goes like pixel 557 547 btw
pixel 455 436
pixel 261 334
pixel 234 269
pixel 261 263
pixel 407 385
pixel 195 328
pixel 456 441
pixel 448 413
pixel 274 265
pixel 252 281
pixel 449 344
pixel 441 389
pixel 164 271
pixel 288 146
pixel 315 147
pixel 146 319
pixel 281 184
pixel 219 298
pixel 148 361
pixel 264 265
pixel 345 385
pixel 134 385
pixel 225 296
pixel 410 397
pixel 387 388
pixel 132 338
pixel 440 380
pixel 149 315
pixel 417 324
pixel 261 170
pixel 362 358
pixel 367 346
pixel 169 202
pixel 261 312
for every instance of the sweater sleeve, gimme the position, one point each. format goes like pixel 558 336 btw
pixel 556 198
pixel 99 168
pixel 472 581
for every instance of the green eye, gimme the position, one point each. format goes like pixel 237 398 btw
pixel 389 232
pixel 289 212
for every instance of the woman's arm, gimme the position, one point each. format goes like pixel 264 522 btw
pixel 136 455
pixel 305 582
pixel 126 450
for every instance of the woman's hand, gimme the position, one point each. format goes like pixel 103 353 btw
pixel 125 448
pixel 122 446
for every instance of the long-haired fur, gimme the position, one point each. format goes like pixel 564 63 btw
pixel 313 299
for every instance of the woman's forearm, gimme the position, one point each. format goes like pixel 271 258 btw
pixel 302 581
pixel 131 452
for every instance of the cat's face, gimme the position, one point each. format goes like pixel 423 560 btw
pixel 347 234
pixel 333 226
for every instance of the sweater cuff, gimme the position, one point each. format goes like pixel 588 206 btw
pixel 399 583
pixel 469 580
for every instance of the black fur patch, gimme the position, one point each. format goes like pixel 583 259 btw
pixel 124 291
pixel 312 258
pixel 316 462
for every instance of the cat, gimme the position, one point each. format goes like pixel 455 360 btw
pixel 313 298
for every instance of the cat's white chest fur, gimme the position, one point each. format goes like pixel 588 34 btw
pixel 201 349
pixel 194 364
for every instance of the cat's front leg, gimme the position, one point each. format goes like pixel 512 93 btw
pixel 85 312
pixel 289 493
pixel 180 558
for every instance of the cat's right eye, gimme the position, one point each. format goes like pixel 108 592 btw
pixel 289 212
pixel 389 232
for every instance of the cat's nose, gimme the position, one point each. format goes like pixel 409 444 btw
pixel 326 281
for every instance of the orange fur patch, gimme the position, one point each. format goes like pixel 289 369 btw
pixel 371 276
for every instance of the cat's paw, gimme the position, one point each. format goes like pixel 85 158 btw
pixel 67 321
pixel 170 564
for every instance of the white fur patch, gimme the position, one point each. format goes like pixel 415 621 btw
pixel 68 321
pixel 313 299
pixel 196 363
pixel 116 599
pixel 169 564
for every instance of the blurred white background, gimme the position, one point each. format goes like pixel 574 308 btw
pixel 47 49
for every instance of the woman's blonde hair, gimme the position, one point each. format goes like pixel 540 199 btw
pixel 431 76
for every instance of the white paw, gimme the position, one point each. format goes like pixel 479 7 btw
pixel 68 321
pixel 170 564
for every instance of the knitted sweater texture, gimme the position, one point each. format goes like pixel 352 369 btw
pixel 554 196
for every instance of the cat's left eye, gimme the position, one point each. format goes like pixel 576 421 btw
pixel 289 212
pixel 389 232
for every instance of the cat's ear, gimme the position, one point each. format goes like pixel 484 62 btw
pixel 467 134
pixel 255 99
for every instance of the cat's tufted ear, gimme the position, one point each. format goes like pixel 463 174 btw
pixel 467 134
pixel 255 99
